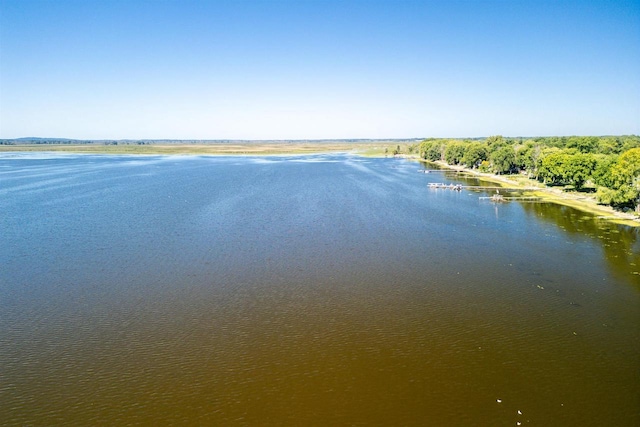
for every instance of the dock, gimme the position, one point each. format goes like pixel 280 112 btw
pixel 449 171
pixel 495 198
pixel 477 187
pixel 501 198
pixel 456 187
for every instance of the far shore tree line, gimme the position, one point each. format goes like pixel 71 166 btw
pixel 608 166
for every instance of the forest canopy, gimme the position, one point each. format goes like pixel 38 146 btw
pixel 608 165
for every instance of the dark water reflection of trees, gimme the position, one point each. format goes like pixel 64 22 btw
pixel 620 243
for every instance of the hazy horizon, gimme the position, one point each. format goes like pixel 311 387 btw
pixel 256 140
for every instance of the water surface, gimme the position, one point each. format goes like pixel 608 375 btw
pixel 304 290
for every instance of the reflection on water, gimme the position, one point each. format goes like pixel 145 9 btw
pixel 304 290
pixel 619 243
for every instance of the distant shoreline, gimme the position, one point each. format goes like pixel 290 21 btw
pixel 254 148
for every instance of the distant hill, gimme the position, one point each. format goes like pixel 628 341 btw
pixel 40 140
pixel 35 138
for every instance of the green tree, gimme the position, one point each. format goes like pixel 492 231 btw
pixel 607 145
pixel 474 154
pixel 584 144
pixel 602 173
pixel 431 150
pixel 528 157
pixel 424 147
pixel 578 169
pixel 629 142
pixel 503 159
pixel 551 170
pixel 494 139
pixel 625 182
pixel 553 141
pixel 454 153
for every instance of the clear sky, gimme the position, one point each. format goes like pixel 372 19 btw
pixel 174 69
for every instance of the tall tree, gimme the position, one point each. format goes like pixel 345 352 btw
pixel 503 159
pixel 551 170
pixel 474 154
pixel 578 169
pixel 625 182
pixel 454 152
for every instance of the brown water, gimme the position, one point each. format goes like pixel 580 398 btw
pixel 313 290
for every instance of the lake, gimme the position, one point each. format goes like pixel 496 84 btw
pixel 305 290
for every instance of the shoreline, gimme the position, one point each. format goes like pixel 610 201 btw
pixel 582 202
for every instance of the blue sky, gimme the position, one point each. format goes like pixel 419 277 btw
pixel 318 69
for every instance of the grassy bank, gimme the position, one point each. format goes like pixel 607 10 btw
pixel 582 201
pixel 184 149
pixel 256 149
